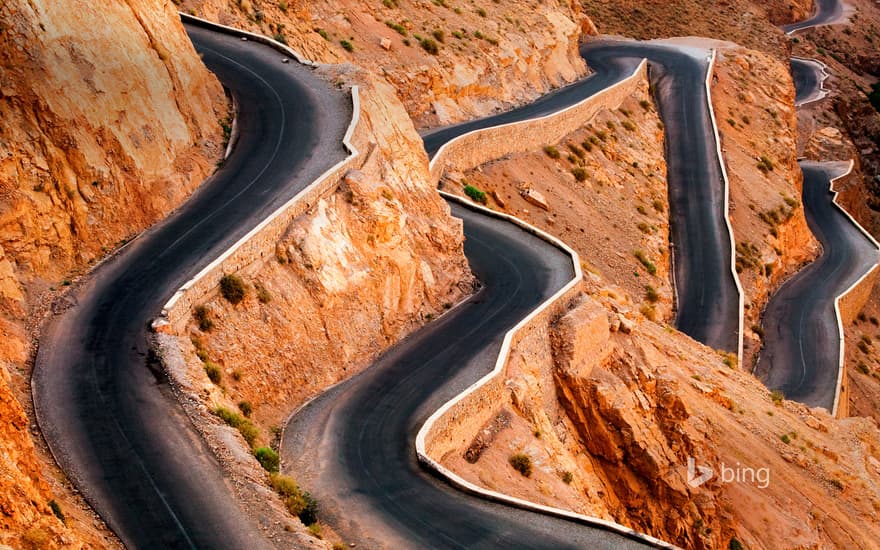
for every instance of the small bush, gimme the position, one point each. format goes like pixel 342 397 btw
pixel 567 477
pixel 657 204
pixel 263 294
pixel 439 35
pixel 551 151
pixel 203 318
pixel 587 146
pixel 785 438
pixel 579 174
pixel 346 45
pixel 481 12
pixel 245 407
pixel 232 288
pixel 765 165
pixel 213 371
pixel 522 464
pixel 777 397
pixel 323 34
pixel 400 29
pixel 267 458
pixel 645 104
pixel 628 125
pixel 758 330
pixel 863 368
pixel 475 194
pixel 315 530
pixel 648 264
pixel 651 294
pixel 244 426
pixel 429 45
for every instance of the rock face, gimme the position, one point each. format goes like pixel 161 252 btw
pixel 360 270
pixel 109 120
pixel 612 420
pixel 447 63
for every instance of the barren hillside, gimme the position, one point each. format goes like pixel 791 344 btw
pixel 447 61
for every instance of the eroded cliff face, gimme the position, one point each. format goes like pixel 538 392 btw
pixel 365 266
pixel 109 120
pixel 753 99
pixel 609 409
pixel 447 63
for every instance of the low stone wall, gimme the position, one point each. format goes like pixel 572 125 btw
pixel 259 243
pixel 848 305
pixel 481 146
pixel 455 429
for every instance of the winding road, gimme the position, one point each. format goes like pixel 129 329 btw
pixel 105 408
pixel 801 340
pixel 827 12
pixel 802 349
pixel 353 446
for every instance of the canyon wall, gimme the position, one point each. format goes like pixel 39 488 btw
pixel 447 63
pixel 109 121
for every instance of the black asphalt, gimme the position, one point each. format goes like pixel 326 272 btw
pixel 827 12
pixel 707 297
pixel 801 340
pixel 354 446
pixel 106 412
pixel 808 76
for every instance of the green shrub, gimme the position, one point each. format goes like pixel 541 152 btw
pixel 267 458
pixel 651 294
pixel 213 371
pixel 522 464
pixel 401 30
pixel 777 397
pixel 282 5
pixel 587 146
pixel 346 45
pixel 475 194
pixel 551 151
pixel 439 35
pixel 648 264
pixel 263 294
pixel 645 104
pixel 785 438
pixel 658 205
pixel 735 544
pixel 245 407
pixel 244 426
pixel 567 477
pixel 481 12
pixel 323 34
pixel 628 125
pixel 765 165
pixel 203 318
pixel 429 45
pixel 579 174
pixel 232 288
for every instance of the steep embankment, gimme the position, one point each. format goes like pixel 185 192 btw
pixel 447 62
pixel 754 105
pixel 109 122
pixel 602 190
pixel 609 411
pixel 365 266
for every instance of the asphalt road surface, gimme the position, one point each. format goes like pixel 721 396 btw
pixel 106 412
pixel 707 298
pixel 828 12
pixel 808 76
pixel 354 446
pixel 801 342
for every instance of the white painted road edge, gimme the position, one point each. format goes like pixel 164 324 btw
pixel 739 288
pixel 823 92
pixel 439 154
pixel 503 356
pixel 346 141
pixel 840 333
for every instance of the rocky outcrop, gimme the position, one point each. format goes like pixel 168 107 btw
pixel 363 267
pixel 611 421
pixel 109 121
pixel 753 99
pixel 447 63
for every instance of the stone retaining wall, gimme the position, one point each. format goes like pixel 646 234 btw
pixel 481 146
